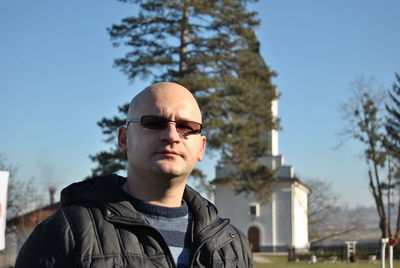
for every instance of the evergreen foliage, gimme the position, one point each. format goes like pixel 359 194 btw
pixel 111 161
pixel 393 119
pixel 210 47
pixel 392 144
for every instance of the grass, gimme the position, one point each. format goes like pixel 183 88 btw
pixel 319 265
pixel 281 261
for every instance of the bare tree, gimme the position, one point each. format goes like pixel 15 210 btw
pixel 22 195
pixel 326 219
pixel 364 114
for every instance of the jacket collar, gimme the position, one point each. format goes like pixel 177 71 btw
pixel 106 193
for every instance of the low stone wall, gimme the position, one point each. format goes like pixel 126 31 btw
pixel 7 260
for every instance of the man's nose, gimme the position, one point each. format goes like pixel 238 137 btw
pixel 171 134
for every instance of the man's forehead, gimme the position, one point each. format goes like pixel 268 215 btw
pixel 168 110
pixel 165 98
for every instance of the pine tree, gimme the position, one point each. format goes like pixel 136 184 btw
pixel 211 48
pixel 393 119
pixel 392 144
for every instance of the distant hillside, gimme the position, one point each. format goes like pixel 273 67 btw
pixel 369 232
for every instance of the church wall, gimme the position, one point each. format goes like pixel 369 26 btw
pixel 300 221
pixel 275 219
pixel 266 219
pixel 283 220
pixel 283 215
pixel 236 208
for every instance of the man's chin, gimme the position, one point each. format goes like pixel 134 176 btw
pixel 167 170
pixel 167 173
pixel 171 167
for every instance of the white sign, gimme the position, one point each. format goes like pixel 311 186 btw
pixel 3 207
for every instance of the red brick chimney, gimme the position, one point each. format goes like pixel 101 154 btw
pixel 52 191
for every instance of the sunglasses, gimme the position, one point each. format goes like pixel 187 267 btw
pixel 184 127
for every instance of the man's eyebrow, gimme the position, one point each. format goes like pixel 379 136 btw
pixel 177 117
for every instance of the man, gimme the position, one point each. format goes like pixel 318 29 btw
pixel 150 219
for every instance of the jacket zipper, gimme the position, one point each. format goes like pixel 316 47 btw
pixel 222 223
pixel 161 240
pixel 163 244
pixel 208 231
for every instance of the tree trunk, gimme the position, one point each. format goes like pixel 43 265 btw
pixel 184 41
pixel 397 234
pixel 389 201
pixel 383 224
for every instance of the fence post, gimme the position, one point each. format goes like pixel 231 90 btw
pixel 342 252
pixel 384 241
pixel 351 251
pixel 291 253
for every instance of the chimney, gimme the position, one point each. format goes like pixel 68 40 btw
pixel 52 191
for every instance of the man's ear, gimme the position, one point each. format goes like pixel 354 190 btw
pixel 202 148
pixel 122 132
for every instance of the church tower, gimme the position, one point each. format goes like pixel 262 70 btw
pixel 281 222
pixel 274 160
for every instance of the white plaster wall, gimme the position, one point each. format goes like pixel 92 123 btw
pixel 272 161
pixel 283 215
pixel 274 220
pixel 286 172
pixel 282 221
pixel 236 208
pixel 274 133
pixel 266 218
pixel 300 220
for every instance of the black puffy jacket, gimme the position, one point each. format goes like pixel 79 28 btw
pixel 96 227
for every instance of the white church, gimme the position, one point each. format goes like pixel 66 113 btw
pixel 280 223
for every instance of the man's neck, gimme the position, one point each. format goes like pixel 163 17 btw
pixel 160 194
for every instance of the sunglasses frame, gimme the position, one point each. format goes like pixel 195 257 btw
pixel 167 121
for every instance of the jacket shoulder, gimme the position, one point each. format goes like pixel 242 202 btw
pixel 49 245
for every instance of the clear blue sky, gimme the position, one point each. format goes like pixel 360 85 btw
pixel 57 81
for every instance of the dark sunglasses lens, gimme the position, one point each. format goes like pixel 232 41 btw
pixel 154 122
pixel 188 127
pixel 159 123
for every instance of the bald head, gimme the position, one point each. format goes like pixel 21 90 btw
pixel 165 98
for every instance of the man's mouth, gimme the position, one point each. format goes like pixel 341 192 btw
pixel 168 152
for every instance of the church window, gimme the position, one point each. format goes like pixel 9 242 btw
pixel 254 209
